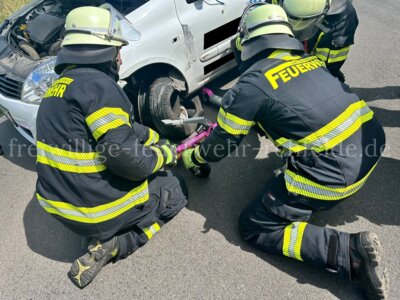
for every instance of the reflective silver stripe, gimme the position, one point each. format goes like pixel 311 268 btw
pixel 153 229
pixel 323 54
pixel 341 128
pixel 107 119
pixel 197 155
pixel 153 138
pixel 109 211
pixel 332 54
pixel 322 140
pixel 289 144
pixel 336 55
pixel 234 125
pixel 317 191
pixel 293 239
pixel 67 160
pixel 312 189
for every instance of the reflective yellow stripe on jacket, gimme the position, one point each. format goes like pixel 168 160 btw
pixel 284 55
pixel 302 186
pixel 153 138
pixel 238 44
pixel 198 156
pixel 233 124
pixel 292 240
pixel 331 56
pixel 334 133
pixel 106 119
pixel 152 230
pixel 68 161
pixel 99 213
pixel 160 159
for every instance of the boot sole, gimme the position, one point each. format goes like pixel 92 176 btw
pixel 85 269
pixel 370 249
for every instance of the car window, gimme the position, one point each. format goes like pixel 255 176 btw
pixel 126 6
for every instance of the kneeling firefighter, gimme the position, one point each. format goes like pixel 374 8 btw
pixel 98 169
pixel 323 131
pixel 326 28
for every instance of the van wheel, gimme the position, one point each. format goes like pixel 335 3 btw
pixel 165 102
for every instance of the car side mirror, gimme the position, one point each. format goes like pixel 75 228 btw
pixel 191 1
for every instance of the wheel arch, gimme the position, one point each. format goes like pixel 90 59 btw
pixel 158 69
pixel 149 100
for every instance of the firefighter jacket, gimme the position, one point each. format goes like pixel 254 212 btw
pixel 332 41
pixel 330 138
pixel 93 159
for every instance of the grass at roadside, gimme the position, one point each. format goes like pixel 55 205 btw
pixel 7 7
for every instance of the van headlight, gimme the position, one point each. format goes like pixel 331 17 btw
pixel 37 83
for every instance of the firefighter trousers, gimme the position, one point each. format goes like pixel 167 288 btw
pixel 168 195
pixel 278 224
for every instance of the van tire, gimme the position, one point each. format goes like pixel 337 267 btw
pixel 164 102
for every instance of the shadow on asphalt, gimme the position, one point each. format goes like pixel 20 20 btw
pixel 16 148
pixel 388 118
pixel 377 201
pixel 48 237
pixel 380 93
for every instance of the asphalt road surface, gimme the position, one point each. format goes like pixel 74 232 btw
pixel 200 254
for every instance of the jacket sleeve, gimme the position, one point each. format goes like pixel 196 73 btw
pixel 237 115
pixel 119 139
pixel 333 46
pixel 147 135
pixel 125 155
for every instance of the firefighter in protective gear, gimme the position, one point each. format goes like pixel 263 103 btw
pixel 326 28
pixel 323 132
pixel 99 171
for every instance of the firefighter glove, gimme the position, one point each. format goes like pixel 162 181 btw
pixel 170 155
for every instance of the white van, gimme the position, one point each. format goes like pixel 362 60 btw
pixel 183 44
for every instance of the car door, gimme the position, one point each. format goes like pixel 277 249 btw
pixel 208 27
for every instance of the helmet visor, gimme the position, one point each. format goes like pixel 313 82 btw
pixel 120 29
pixel 306 26
pixel 304 29
pixel 248 8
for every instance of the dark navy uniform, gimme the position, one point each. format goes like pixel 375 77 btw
pixel 98 169
pixel 324 132
pixel 332 42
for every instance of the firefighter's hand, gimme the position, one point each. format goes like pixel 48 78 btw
pixel 201 170
pixel 187 159
pixel 170 154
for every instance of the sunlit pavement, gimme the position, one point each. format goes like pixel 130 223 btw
pixel 200 254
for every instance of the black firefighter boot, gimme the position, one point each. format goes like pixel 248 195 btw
pixel 86 267
pixel 366 271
